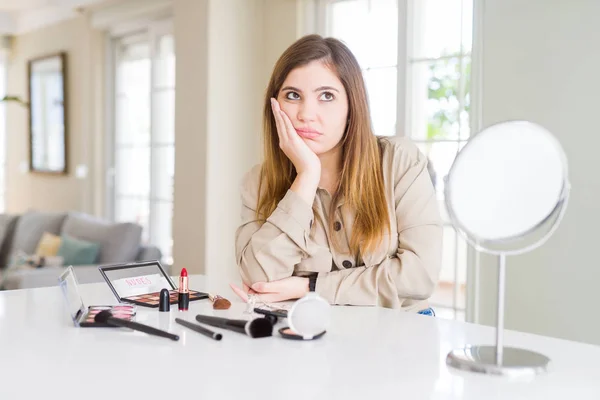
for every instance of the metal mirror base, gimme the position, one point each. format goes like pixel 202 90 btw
pixel 518 363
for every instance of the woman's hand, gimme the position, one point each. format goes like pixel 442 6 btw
pixel 304 159
pixel 284 289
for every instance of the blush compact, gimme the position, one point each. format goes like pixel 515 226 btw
pixel 83 316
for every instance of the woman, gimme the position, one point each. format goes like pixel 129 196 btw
pixel 333 208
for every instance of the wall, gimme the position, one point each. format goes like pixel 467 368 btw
pixel 226 50
pixel 191 132
pixel 54 193
pixel 246 38
pixel 236 85
pixel 540 63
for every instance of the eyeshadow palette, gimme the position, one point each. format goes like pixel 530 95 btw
pixel 82 316
pixel 141 282
pixel 152 299
pixel 123 311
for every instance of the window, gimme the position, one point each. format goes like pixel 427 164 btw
pixel 416 60
pixel 3 84
pixel 143 154
pixel 375 45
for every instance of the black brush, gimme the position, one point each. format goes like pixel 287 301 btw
pixel 256 328
pixel 107 318
pixel 199 329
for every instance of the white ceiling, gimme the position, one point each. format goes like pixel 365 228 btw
pixel 20 16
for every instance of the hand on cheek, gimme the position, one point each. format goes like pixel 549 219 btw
pixel 304 159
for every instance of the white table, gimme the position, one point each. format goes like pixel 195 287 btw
pixel 368 353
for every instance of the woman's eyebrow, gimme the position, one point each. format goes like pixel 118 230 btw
pixel 291 88
pixel 319 89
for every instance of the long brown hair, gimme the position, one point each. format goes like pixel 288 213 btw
pixel 361 179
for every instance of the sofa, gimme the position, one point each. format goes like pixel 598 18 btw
pixel 118 242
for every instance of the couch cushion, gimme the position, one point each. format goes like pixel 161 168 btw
pixel 30 228
pixel 78 252
pixel 149 253
pixel 48 245
pixel 119 242
pixel 7 229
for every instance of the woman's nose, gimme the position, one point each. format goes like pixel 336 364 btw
pixel 307 111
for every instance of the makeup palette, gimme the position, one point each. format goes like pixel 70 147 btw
pixel 140 283
pixel 83 316
pixel 152 299
pixel 124 311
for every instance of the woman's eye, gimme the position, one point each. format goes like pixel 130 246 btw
pixel 292 96
pixel 327 96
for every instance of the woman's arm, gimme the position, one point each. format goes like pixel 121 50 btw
pixel 269 251
pixel 414 271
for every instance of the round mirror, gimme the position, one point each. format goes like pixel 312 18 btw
pixel 506 193
pixel 507 187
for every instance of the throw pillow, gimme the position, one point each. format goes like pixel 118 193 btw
pixel 48 245
pixel 78 252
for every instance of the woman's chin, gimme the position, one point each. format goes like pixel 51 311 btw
pixel 316 147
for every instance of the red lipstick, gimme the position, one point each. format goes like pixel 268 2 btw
pixel 184 293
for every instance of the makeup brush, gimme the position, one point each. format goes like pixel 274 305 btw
pixel 256 328
pixel 199 329
pixel 218 302
pixel 107 318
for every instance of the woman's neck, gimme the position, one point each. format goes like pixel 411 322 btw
pixel 331 166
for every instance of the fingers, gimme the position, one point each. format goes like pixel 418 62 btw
pixel 285 128
pixel 241 294
pixel 275 105
pixel 272 297
pixel 289 127
pixel 266 287
pixel 279 123
pixel 271 292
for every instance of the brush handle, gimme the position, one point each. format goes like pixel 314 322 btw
pixel 199 329
pixel 214 297
pixel 236 325
pixel 136 326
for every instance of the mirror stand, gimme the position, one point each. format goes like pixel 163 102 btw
pixel 499 360
pixel 506 206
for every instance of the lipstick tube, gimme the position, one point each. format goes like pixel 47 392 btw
pixel 183 299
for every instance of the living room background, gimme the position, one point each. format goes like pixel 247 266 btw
pixel 204 126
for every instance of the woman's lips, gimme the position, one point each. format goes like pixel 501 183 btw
pixel 308 133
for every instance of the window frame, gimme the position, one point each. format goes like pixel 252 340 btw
pixel 146 31
pixel 404 110
pixel 3 126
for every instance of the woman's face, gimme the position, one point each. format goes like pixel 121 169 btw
pixel 314 99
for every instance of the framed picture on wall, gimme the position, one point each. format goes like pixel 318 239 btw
pixel 48 126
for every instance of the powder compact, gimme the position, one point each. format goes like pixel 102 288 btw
pixel 141 282
pixel 83 316
pixel 308 318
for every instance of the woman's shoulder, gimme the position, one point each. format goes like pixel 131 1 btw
pixel 400 154
pixel 251 178
pixel 399 149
